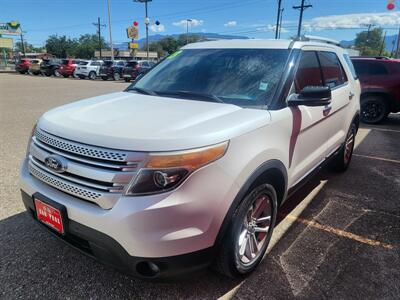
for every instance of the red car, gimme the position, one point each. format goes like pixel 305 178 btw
pixel 67 68
pixel 380 82
pixel 22 66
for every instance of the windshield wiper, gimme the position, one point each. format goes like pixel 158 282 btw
pixel 194 95
pixel 142 91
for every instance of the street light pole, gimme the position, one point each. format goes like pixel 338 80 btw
pixel 147 22
pixel 109 28
pixel 187 30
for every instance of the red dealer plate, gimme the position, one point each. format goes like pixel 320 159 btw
pixel 49 216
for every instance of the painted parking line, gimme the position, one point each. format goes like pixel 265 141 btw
pixel 341 233
pixel 382 129
pixel 378 158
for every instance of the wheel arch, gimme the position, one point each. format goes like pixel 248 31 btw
pixel 273 172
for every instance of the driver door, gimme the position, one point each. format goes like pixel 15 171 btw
pixel 310 134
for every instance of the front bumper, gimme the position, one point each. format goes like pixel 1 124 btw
pixel 109 252
pixel 183 221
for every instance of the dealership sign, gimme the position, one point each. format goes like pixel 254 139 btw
pixel 132 32
pixel 10 28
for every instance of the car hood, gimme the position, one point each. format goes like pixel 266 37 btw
pixel 130 121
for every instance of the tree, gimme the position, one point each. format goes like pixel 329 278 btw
pixel 28 47
pixel 169 44
pixel 369 43
pixel 88 44
pixel 61 46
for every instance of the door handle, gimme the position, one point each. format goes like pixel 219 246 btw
pixel 351 95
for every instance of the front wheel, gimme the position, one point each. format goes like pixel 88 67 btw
pixel 249 234
pixel 117 76
pixel 104 78
pixel 92 75
pixel 57 73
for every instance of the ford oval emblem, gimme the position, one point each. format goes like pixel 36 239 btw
pixel 56 163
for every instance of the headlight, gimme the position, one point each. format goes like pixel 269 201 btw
pixel 30 140
pixel 166 171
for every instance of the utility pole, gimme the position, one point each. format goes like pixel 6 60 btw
pixel 187 30
pixel 23 43
pixel 383 44
pixel 398 45
pixel 147 22
pixel 302 8
pixel 109 28
pixel 278 18
pixel 280 23
pixel 99 25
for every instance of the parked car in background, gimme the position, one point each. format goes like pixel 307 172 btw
pixel 67 68
pixel 380 82
pixel 112 69
pixel 189 166
pixel 48 67
pixel 34 66
pixel 134 68
pixel 88 69
pixel 22 66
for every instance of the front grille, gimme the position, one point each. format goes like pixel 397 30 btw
pixel 94 174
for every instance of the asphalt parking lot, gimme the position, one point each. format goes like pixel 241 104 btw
pixel 338 237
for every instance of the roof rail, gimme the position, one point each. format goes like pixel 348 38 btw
pixel 318 39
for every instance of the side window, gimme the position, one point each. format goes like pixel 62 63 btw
pixel 309 72
pixel 332 70
pixel 350 65
pixel 378 69
pixel 362 68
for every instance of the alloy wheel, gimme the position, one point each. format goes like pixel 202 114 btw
pixel 254 231
pixel 348 147
pixel 373 111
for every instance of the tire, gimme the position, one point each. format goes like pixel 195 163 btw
pixel 74 74
pixel 65 76
pixel 81 76
pixel 21 72
pixel 47 74
pixel 57 73
pixel 236 245
pixel 343 158
pixel 127 79
pixel 116 76
pixel 374 109
pixel 92 75
pixel 104 78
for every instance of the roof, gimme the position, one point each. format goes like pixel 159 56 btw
pixel 257 44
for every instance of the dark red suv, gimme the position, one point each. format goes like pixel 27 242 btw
pixel 22 66
pixel 380 82
pixel 67 68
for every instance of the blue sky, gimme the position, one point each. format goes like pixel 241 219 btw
pixel 338 19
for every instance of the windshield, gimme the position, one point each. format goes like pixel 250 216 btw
pixel 244 77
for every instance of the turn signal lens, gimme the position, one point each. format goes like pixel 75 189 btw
pixel 166 171
pixel 191 159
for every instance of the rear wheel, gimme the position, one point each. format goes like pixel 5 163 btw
pixel 66 76
pixel 92 75
pixel 81 76
pixel 249 234
pixel 74 74
pixel 342 160
pixel 104 78
pixel 57 73
pixel 47 74
pixel 374 109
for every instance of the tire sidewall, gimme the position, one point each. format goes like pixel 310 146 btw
pixel 238 268
pixel 374 100
pixel 92 75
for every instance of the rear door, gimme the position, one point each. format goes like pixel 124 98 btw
pixel 308 144
pixel 336 114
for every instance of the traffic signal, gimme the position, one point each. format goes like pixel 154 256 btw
pixel 391 5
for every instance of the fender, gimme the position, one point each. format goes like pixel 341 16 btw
pixel 273 164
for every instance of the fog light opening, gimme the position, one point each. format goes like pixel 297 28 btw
pixel 147 269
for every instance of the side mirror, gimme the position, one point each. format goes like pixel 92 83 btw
pixel 312 96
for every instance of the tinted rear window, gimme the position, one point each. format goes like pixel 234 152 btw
pixel 131 64
pixel 83 63
pixel 370 68
pixel 378 69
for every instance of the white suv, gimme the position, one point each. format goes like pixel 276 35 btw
pixel 188 166
pixel 88 69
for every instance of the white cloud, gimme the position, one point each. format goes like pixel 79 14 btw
pixel 230 24
pixel 271 28
pixel 192 23
pixel 159 28
pixel 352 21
